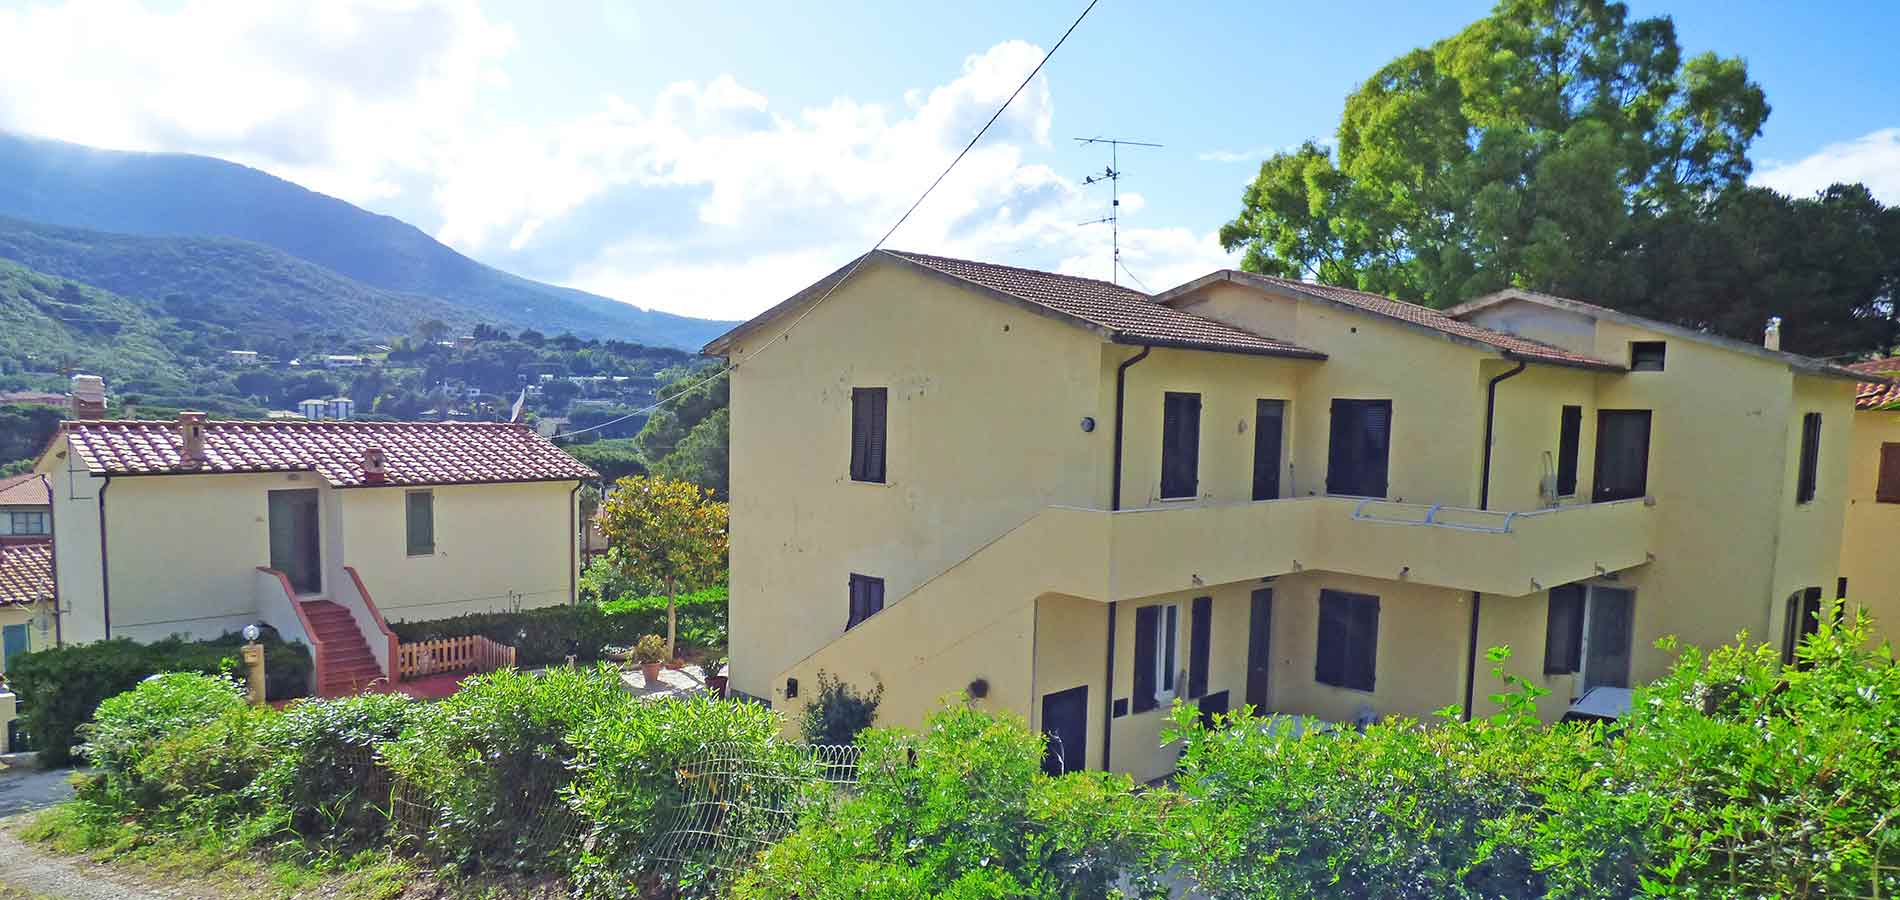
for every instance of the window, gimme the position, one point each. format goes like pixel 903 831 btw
pixel 1569 435
pixel 1563 631
pixel 1348 639
pixel 1622 454
pixel 421 522
pixel 1810 458
pixel 1200 637
pixel 1647 356
pixel 1180 445
pixel 1155 628
pixel 1804 618
pixel 867 434
pixel 1887 489
pixel 27 523
pixel 1588 632
pixel 1358 448
pixel 867 599
pixel 1269 417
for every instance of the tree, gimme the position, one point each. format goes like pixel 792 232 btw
pixel 701 457
pixel 667 532
pixel 432 330
pixel 1515 151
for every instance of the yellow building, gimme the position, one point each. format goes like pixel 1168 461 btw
pixel 26 616
pixel 1079 502
pixel 326 531
pixel 1870 568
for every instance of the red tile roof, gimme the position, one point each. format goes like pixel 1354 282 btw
pixel 1872 394
pixel 1130 316
pixel 417 453
pixel 24 490
pixel 1510 344
pixel 26 573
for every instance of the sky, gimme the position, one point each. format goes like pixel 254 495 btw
pixel 711 158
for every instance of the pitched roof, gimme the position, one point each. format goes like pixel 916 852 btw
pixel 26 573
pixel 1510 345
pixel 1796 361
pixel 1875 394
pixel 417 453
pixel 1122 315
pixel 25 490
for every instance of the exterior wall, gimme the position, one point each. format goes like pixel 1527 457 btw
pixel 37 638
pixel 497 547
pixel 1867 555
pixel 1419 663
pixel 983 426
pixel 1229 385
pixel 1136 737
pixel 183 549
pixel 1526 428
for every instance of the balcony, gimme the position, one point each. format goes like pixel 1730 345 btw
pixel 1156 550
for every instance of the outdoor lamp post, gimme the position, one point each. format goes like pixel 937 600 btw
pixel 254 663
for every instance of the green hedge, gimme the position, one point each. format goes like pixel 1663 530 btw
pixel 60 687
pixel 546 635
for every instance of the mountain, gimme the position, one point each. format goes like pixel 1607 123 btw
pixel 183 195
pixel 249 288
pixel 48 323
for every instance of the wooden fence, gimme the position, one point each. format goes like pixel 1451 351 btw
pixel 472 653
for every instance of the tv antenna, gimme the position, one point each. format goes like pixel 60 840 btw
pixel 1112 175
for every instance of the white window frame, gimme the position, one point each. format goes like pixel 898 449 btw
pixel 1167 627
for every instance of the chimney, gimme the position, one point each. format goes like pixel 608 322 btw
pixel 375 466
pixel 1771 336
pixel 89 397
pixel 191 429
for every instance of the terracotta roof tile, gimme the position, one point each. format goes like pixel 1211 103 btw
pixel 1873 394
pixel 1515 346
pixel 24 490
pixel 26 573
pixel 417 453
pixel 1130 316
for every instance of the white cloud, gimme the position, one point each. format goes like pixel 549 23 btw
pixel 704 198
pixel 1873 159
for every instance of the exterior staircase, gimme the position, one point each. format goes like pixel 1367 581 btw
pixel 347 666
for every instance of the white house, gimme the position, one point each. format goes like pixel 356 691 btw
pixel 324 530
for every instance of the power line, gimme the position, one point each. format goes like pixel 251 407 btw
pixel 728 367
pixel 1112 175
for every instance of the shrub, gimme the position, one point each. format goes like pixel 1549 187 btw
pixel 1400 811
pixel 963 810
pixel 545 636
pixel 627 787
pixel 61 687
pixel 129 725
pixel 201 775
pixel 494 760
pixel 320 754
pixel 837 712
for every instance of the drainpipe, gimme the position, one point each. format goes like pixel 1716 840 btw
pixel 1484 502
pixel 105 570
pixel 1115 503
pixel 573 544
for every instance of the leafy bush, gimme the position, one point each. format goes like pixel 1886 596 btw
pixel 318 752
pixel 201 775
pixel 837 712
pixel 129 725
pixel 963 810
pixel 544 636
pixel 493 761
pixel 61 687
pixel 626 787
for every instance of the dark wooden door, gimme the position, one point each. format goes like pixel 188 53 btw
pixel 1259 648
pixel 295 540
pixel 1065 722
pixel 1606 655
pixel 1267 427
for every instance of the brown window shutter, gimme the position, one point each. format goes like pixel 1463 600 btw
pixel 1200 637
pixel 1147 619
pixel 867 433
pixel 1888 488
pixel 1810 458
pixel 1563 630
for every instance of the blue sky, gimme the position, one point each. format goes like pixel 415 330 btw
pixel 710 158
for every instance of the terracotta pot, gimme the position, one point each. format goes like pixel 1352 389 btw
pixel 652 673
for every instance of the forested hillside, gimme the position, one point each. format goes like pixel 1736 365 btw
pixel 48 323
pixel 178 194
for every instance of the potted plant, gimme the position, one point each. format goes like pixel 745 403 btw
pixel 650 652
pixel 716 677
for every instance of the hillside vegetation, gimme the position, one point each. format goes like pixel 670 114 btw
pixel 178 194
pixel 48 322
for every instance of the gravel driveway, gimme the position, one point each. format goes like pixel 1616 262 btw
pixel 31 873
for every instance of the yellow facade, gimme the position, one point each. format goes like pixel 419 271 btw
pixel 1869 561
pixel 1006 568
pixel 181 552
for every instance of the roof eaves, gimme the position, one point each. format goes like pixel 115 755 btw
pixel 1042 309
pixel 721 345
pixel 1290 352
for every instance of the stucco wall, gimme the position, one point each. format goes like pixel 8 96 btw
pixel 1869 561
pixel 985 405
